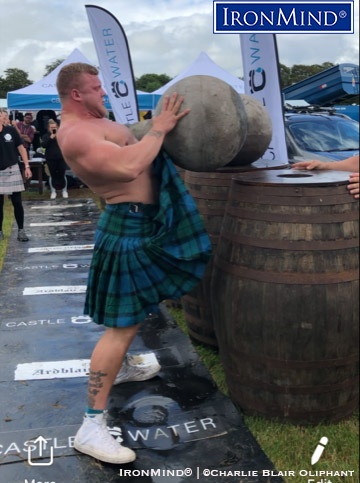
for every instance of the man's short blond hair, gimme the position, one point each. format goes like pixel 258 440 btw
pixel 69 77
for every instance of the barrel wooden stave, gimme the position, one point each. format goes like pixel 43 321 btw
pixel 210 192
pixel 285 300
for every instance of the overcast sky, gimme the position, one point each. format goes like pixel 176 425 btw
pixel 165 36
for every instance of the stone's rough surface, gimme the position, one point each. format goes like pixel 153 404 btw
pixel 213 133
pixel 259 132
pixel 139 129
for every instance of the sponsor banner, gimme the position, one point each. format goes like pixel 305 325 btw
pixel 283 17
pixel 52 369
pixel 261 81
pixel 40 446
pixel 115 63
pixel 31 323
pixel 37 446
pixel 54 290
pixel 61 248
pixel 49 266
pixel 57 206
pixel 62 223
pixel 69 368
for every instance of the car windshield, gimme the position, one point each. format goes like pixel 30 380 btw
pixel 324 135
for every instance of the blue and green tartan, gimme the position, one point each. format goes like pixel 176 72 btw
pixel 143 258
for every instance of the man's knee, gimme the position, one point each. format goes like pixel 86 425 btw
pixel 123 332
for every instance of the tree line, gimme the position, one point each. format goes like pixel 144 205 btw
pixel 14 78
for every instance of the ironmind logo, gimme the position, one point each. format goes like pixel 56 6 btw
pixel 283 17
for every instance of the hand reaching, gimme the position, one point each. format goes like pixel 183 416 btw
pixel 353 185
pixel 169 115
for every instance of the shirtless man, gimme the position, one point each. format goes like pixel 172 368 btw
pixel 348 164
pixel 118 168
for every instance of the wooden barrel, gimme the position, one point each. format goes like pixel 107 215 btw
pixel 210 191
pixel 285 295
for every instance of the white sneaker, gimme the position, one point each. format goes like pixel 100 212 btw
pixel 139 367
pixel 53 195
pixel 65 194
pixel 94 439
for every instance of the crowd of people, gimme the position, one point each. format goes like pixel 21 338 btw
pixel 19 138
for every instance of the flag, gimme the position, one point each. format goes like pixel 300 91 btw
pixel 115 63
pixel 262 81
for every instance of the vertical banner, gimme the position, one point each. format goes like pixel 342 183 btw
pixel 262 81
pixel 115 63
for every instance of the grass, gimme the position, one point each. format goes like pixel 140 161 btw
pixel 288 446
pixel 6 228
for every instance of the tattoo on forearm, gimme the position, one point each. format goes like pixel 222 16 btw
pixel 95 385
pixel 157 134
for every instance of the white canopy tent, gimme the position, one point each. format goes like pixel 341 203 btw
pixel 203 65
pixel 43 94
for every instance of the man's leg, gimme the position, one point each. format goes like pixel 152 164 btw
pixel 106 361
pixel 93 437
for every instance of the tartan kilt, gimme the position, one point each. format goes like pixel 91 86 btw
pixel 142 258
pixel 11 180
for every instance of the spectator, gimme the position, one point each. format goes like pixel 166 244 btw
pixel 27 131
pixel 11 181
pixel 55 161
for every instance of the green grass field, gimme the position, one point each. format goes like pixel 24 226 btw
pixel 288 446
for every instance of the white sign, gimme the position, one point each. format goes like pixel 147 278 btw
pixel 55 290
pixel 52 369
pixel 114 58
pixel 56 207
pixel 61 248
pixel 62 223
pixel 261 81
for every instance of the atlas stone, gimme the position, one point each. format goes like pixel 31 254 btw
pixel 139 129
pixel 214 131
pixel 259 132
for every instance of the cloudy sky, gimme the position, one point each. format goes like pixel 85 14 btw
pixel 165 36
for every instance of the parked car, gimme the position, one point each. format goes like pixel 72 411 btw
pixel 320 133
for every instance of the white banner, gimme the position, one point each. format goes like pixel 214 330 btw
pixel 115 63
pixel 261 79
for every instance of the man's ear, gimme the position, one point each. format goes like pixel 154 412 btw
pixel 75 94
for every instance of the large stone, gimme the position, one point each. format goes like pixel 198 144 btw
pixel 259 132
pixel 139 129
pixel 214 131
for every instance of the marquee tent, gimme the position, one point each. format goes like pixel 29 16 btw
pixel 203 65
pixel 43 94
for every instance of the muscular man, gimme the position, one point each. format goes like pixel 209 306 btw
pixel 348 164
pixel 150 242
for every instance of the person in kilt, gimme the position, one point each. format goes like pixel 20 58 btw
pixel 150 243
pixel 11 180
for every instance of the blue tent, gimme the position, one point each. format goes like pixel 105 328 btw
pixel 43 94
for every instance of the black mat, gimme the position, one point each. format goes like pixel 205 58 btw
pixel 181 426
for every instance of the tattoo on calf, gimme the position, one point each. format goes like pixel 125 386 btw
pixel 95 385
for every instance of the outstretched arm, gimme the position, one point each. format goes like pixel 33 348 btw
pixel 348 164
